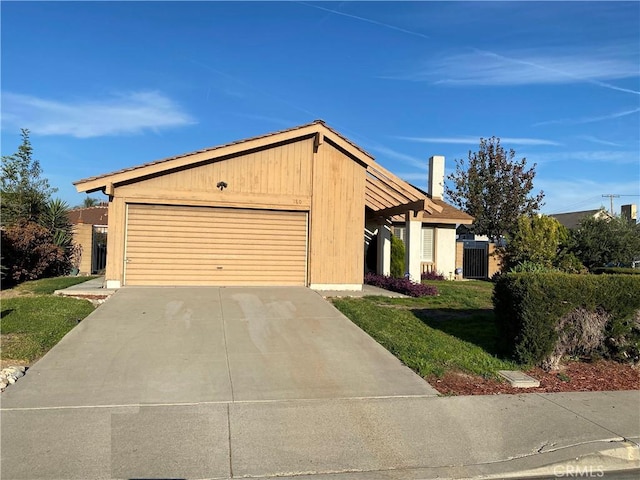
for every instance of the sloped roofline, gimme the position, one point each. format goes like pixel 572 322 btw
pixel 102 182
pixel 385 193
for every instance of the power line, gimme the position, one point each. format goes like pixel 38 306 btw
pixel 611 197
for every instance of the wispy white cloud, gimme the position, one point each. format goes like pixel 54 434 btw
pixel 367 20
pixel 128 113
pixel 388 153
pixel 471 140
pixel 605 156
pixel 482 67
pixel 582 120
pixel 599 141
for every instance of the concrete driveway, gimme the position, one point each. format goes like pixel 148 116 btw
pixel 189 345
pixel 261 382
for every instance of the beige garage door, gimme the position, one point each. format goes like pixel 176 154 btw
pixel 175 245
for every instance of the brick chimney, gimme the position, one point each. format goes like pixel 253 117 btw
pixel 435 187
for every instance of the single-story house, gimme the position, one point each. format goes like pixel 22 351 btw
pixel 286 208
pixel 89 228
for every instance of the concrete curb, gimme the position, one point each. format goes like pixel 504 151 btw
pixel 586 460
pixel 624 456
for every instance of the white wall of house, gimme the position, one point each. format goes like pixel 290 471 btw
pixel 446 250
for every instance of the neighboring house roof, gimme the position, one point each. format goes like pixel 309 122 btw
pixel 572 219
pixel 90 215
pixel 385 193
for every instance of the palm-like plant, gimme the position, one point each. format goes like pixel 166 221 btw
pixel 55 218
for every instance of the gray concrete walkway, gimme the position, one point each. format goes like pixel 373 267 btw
pixel 235 382
pixel 93 287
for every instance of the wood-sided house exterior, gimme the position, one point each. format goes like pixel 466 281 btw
pixel 286 208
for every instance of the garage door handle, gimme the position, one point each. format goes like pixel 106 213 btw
pixel 127 260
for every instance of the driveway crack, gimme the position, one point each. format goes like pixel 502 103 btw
pixel 226 347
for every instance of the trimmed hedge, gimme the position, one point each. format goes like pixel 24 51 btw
pixel 400 285
pixel 529 306
pixel 617 270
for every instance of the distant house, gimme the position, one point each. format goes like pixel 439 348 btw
pixel 572 220
pixel 90 233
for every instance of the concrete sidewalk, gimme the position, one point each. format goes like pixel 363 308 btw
pixel 364 438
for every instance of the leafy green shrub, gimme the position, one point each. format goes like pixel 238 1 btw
pixel 537 239
pixel 568 262
pixel 531 267
pixel 397 257
pixel 529 306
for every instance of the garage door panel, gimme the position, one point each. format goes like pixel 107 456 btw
pixel 274 237
pixel 176 245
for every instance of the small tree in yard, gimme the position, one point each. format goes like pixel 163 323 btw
pixel 36 235
pixel 537 239
pixel 494 188
pixel 397 257
pixel 604 241
pixel 23 194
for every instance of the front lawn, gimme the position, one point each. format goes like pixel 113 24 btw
pixel 46 286
pixel 33 321
pixel 454 331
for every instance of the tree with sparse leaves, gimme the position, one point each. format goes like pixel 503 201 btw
pixel 23 193
pixel 494 188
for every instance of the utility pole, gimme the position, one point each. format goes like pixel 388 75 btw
pixel 611 197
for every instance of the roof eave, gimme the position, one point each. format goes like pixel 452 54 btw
pixel 102 182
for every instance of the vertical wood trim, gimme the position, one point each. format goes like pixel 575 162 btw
pixel 115 240
pixel 124 249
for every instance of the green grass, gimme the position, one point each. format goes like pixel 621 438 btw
pixel 431 335
pixel 47 286
pixel 34 322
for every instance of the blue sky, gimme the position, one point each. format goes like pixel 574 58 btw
pixel 108 85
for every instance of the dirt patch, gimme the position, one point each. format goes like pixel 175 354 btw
pixel 572 377
pixel 13 292
pixel 13 363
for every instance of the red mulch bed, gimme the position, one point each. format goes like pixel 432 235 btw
pixel 573 376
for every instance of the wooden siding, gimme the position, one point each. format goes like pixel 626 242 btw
pixel 495 260
pixel 83 237
pixel 115 240
pixel 283 171
pixel 337 218
pixel 173 245
pixel 459 257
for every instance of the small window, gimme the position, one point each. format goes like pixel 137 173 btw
pixel 399 232
pixel 427 244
